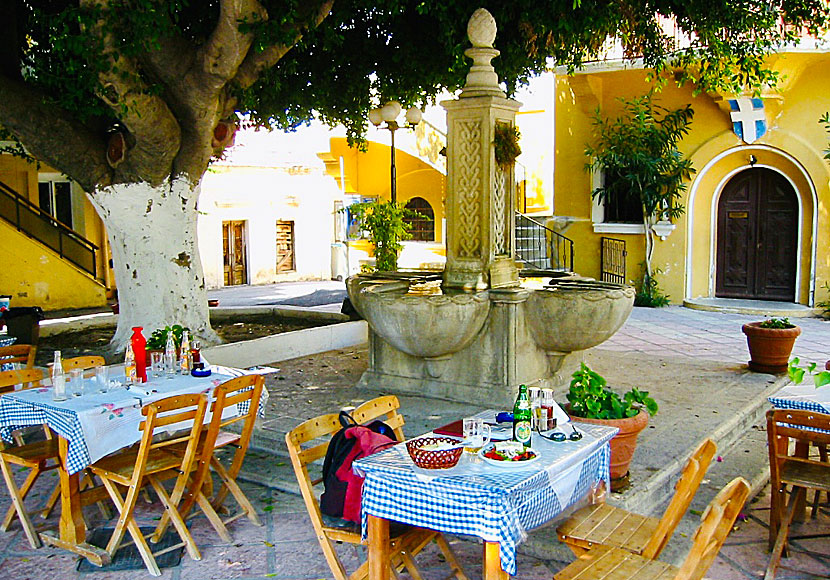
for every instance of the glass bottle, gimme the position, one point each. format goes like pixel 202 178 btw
pixel 129 365
pixel 186 362
pixel 170 356
pixel 139 344
pixel 522 418
pixel 58 378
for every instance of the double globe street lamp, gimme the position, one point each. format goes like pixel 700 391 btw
pixel 386 117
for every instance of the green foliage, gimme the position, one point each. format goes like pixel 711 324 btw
pixel 639 149
pixel 589 397
pixel 797 371
pixel 825 122
pixel 158 338
pixel 777 323
pixel 648 291
pixel 825 304
pixel 384 222
pixel 506 142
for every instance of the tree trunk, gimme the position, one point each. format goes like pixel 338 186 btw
pixel 648 222
pixel 152 233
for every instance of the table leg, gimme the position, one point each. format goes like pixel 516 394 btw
pixel 492 563
pixel 72 527
pixel 378 532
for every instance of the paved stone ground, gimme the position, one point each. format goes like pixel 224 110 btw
pixel 694 365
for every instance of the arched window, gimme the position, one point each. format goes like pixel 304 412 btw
pixel 423 228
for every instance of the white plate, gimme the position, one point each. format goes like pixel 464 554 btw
pixel 507 464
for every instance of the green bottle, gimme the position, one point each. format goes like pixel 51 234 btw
pixel 521 418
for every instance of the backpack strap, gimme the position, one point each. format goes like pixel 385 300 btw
pixel 346 420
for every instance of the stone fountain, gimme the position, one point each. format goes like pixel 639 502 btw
pixel 482 332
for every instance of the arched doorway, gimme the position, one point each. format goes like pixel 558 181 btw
pixel 757 237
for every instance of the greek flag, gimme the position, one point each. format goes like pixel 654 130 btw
pixel 749 119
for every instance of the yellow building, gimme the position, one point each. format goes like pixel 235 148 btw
pixel 756 219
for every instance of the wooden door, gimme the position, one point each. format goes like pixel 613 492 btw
pixel 285 246
pixel 757 237
pixel 234 252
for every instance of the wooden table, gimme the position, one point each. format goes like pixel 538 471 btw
pixel 395 490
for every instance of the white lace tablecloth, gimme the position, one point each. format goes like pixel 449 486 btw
pixel 493 503
pixel 97 424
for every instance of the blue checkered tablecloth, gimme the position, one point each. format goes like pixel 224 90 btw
pixel 6 341
pixel 804 397
pixel 97 424
pixel 493 503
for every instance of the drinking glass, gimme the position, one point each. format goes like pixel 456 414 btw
pixel 76 381
pixel 156 364
pixel 476 434
pixel 102 378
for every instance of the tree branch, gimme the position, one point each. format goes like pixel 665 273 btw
pixel 256 62
pixel 53 135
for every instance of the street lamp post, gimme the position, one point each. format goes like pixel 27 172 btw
pixel 385 117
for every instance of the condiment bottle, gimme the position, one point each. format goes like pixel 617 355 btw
pixel 186 362
pixel 522 415
pixel 139 344
pixel 129 365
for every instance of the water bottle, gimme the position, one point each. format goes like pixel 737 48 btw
pixel 129 366
pixel 58 379
pixel 170 356
pixel 186 362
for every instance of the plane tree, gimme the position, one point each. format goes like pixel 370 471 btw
pixel 132 99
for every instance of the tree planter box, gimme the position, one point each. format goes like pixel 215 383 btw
pixel 769 348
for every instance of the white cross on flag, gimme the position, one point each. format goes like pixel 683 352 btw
pixel 749 120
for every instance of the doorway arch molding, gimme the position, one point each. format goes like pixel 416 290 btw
pixel 722 164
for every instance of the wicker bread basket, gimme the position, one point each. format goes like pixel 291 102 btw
pixel 431 458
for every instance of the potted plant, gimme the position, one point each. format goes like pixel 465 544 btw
pixel 158 338
pixel 770 344
pixel 591 401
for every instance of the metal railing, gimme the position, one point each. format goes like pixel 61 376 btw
pixel 541 248
pixel 612 263
pixel 39 225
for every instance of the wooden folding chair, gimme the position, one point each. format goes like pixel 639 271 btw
pixel 602 524
pixel 135 466
pixel 609 563
pixel 793 467
pixel 305 448
pixel 22 354
pixel 83 362
pixel 34 456
pixel 241 392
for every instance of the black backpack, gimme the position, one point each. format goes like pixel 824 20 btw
pixel 334 496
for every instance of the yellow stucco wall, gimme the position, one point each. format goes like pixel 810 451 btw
pixel 793 146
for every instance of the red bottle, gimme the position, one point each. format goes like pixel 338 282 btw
pixel 140 350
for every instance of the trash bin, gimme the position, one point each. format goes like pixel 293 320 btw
pixel 23 323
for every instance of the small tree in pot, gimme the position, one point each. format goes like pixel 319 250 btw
pixel 770 343
pixel 591 401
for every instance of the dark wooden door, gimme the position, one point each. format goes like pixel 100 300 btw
pixel 234 253
pixel 757 237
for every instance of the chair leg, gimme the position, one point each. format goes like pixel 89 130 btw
pixel 23 491
pixel 450 557
pixel 126 523
pixel 51 502
pixel 229 484
pixel 17 503
pixel 796 496
pixel 171 507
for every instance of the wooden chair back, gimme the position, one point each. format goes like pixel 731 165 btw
pixel 801 426
pixel 308 442
pixel 83 362
pixel 22 354
pixel 684 493
pixel 27 377
pixel 715 524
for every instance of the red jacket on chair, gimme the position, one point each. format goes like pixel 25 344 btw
pixel 368 442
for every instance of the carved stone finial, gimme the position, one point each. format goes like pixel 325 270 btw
pixel 481 29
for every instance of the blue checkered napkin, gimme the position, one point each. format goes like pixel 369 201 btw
pixel 493 504
pixel 7 341
pixel 16 413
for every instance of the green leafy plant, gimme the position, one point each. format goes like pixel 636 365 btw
pixel 158 338
pixel 776 323
pixel 590 398
pixel 825 304
pixel 506 141
pixel 638 151
pixel 648 291
pixel 384 221
pixel 796 371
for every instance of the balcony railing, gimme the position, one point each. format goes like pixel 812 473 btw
pixel 541 248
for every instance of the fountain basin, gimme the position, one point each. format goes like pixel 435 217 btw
pixel 576 314
pixel 428 327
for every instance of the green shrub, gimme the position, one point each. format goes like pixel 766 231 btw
pixel 590 398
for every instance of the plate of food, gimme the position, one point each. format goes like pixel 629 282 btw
pixel 508 454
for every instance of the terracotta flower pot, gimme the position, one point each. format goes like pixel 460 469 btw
pixel 769 348
pixel 622 445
